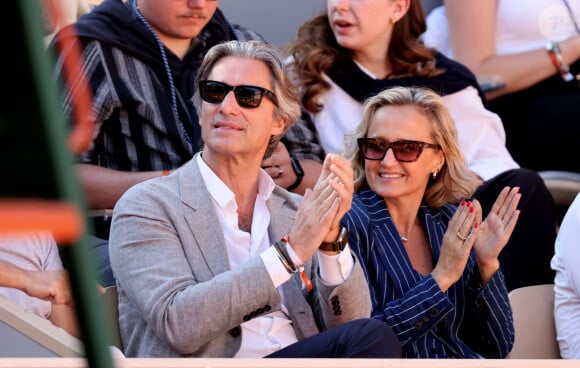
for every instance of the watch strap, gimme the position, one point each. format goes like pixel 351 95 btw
pixel 338 245
pixel 299 171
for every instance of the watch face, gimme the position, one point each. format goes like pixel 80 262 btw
pixel 343 238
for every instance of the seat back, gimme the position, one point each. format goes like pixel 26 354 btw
pixel 25 334
pixel 111 302
pixel 564 185
pixel 535 330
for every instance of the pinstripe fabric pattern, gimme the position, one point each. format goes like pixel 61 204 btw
pixel 467 321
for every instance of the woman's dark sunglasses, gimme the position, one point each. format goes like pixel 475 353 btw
pixel 404 151
pixel 246 96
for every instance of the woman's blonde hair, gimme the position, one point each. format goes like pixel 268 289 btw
pixel 454 181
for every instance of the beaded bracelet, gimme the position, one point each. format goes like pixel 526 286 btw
pixel 284 257
pixel 282 253
pixel 555 55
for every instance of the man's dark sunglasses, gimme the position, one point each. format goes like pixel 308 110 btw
pixel 246 96
pixel 404 151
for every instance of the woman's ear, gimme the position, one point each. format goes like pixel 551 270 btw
pixel 401 7
pixel 440 160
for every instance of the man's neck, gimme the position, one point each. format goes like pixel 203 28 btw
pixel 178 46
pixel 241 177
pixel 245 220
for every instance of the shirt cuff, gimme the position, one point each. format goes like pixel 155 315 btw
pixel 274 266
pixel 335 268
pixel 297 261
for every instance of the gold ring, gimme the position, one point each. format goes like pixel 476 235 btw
pixel 464 238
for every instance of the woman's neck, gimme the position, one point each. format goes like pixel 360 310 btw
pixel 375 64
pixel 404 217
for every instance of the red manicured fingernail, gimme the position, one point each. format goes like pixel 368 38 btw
pixel 462 203
pixel 468 203
pixel 471 209
pixel 476 225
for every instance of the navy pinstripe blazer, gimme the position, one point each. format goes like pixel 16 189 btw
pixel 467 321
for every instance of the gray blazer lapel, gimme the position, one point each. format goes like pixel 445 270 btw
pixel 200 215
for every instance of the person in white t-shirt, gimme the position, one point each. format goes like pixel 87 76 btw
pixel 32 275
pixel 566 263
pixel 537 58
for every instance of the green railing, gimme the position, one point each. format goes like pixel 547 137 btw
pixel 36 163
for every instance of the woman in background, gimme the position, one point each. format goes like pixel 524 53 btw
pixel 537 58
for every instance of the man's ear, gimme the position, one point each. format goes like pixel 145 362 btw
pixel 278 128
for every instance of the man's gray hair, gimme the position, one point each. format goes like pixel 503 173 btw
pixel 287 105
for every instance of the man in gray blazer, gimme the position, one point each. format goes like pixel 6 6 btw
pixel 215 260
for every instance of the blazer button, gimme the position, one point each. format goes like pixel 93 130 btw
pixel 236 331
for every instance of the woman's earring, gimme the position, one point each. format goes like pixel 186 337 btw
pixel 435 174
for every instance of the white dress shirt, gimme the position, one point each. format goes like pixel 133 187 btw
pixel 266 334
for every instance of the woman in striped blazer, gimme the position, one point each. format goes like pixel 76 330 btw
pixel 430 259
